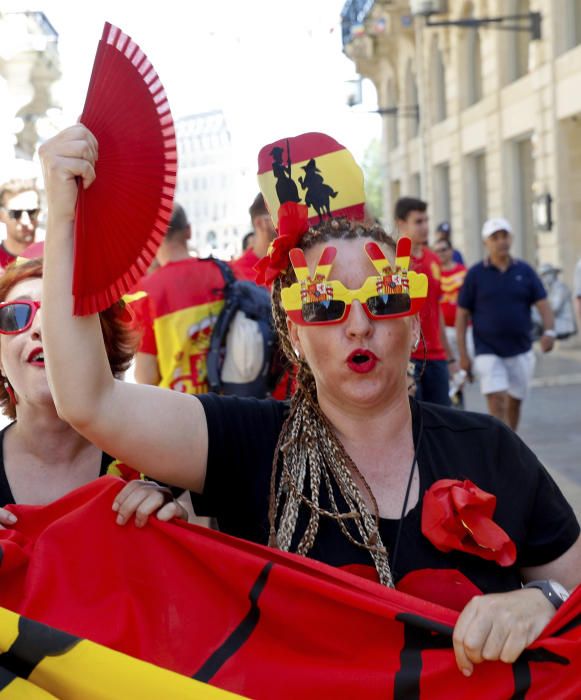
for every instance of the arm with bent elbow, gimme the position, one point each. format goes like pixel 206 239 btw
pixel 158 432
pixel 77 364
pixel 147 369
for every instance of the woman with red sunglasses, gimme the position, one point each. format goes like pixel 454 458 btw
pixel 41 457
pixel 350 472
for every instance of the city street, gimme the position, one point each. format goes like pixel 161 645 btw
pixel 551 418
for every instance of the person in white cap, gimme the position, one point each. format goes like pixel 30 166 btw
pixel 497 295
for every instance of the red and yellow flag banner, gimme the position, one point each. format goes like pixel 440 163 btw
pixel 39 662
pixel 239 616
pixel 315 170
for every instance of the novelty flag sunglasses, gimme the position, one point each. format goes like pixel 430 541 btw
pixel 392 293
pixel 17 316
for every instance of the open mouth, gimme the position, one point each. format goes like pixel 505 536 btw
pixel 362 361
pixel 36 357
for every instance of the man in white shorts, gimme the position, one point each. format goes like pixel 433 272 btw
pixel 497 295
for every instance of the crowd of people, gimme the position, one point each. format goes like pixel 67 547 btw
pixel 295 473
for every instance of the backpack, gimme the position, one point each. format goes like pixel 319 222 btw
pixel 243 343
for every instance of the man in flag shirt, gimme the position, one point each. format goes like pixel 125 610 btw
pixel 452 276
pixel 176 309
pixel 432 355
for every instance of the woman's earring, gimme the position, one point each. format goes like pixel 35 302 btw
pixel 297 353
pixel 415 345
pixel 9 390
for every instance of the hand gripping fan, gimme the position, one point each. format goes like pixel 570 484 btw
pixel 123 216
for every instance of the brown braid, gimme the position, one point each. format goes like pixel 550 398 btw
pixel 309 456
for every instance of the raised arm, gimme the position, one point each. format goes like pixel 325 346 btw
pixel 159 432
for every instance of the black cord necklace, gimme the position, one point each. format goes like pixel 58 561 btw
pixel 407 492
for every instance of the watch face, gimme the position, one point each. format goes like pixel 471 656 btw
pixel 559 590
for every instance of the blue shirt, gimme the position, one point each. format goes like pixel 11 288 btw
pixel 457 257
pixel 500 306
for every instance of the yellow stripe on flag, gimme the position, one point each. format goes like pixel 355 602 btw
pixel 339 171
pixel 130 298
pixel 87 671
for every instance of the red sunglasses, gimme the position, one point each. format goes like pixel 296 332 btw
pixel 17 316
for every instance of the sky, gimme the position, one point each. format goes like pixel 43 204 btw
pixel 275 67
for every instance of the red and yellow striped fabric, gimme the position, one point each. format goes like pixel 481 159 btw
pixel 311 168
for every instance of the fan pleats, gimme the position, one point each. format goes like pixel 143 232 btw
pixel 122 217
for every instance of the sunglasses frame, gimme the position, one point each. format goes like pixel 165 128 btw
pixel 34 306
pixel 410 283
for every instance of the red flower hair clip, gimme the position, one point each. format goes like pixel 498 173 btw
pixel 292 225
pixel 458 515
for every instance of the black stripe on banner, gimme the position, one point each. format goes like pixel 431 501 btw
pixel 34 642
pixel 575 622
pixel 425 623
pixel 239 636
pixel 5 678
pixel 420 634
pixel 521 670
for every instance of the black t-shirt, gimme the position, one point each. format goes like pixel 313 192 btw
pixel 6 496
pixel 454 445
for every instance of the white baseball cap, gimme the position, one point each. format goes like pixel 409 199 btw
pixel 491 226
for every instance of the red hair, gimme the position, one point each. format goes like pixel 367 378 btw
pixel 120 339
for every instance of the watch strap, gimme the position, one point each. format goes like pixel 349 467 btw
pixel 556 596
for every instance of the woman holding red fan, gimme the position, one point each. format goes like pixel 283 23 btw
pixel 353 473
pixel 41 457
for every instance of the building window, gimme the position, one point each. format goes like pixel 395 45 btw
pixel 476 199
pixel 411 98
pixel 517 55
pixel 470 64
pixel 571 24
pixel 442 208
pixel 392 120
pixel 438 83
pixel 416 185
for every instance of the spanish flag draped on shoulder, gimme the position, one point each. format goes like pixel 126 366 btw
pixel 181 609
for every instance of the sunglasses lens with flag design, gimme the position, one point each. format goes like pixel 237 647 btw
pixel 323 311
pixel 16 316
pixel 389 304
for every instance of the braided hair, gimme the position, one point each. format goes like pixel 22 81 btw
pixel 309 458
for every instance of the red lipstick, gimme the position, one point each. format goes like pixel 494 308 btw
pixel 36 357
pixel 362 361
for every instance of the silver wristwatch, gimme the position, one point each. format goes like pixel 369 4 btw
pixel 553 591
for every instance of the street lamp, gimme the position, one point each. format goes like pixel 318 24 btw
pixel 405 111
pixel 542 212
pixel 529 22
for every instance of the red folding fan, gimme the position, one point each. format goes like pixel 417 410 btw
pixel 122 217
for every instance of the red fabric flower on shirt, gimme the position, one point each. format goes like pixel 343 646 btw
pixel 292 224
pixel 458 515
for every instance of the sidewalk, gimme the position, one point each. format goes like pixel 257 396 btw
pixel 551 416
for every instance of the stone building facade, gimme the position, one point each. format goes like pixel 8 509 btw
pixel 211 185
pixel 499 127
pixel 29 66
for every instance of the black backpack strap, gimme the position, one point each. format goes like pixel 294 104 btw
pixel 220 328
pixel 224 268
